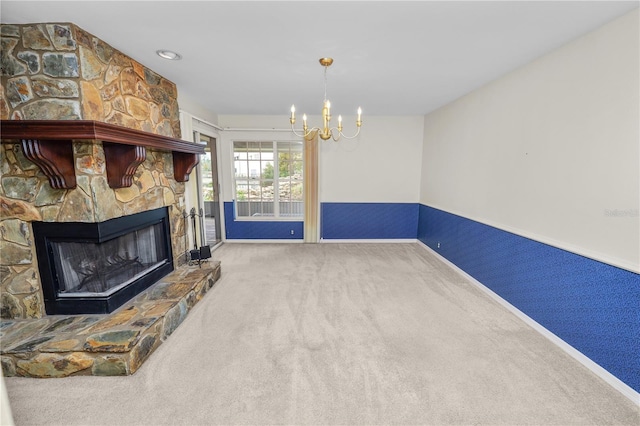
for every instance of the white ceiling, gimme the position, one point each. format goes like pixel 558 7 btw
pixel 391 57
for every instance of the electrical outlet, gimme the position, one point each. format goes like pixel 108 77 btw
pixel 438 244
pixel 292 232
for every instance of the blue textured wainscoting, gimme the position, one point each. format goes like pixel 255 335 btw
pixel 259 230
pixel 355 221
pixel 593 306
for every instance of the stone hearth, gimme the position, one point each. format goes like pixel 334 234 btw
pixel 105 345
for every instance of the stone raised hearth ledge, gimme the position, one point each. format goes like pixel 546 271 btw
pixel 113 344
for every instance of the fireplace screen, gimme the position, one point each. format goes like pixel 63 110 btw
pixel 101 269
pixel 91 268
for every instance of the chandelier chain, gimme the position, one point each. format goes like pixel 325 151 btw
pixel 325 82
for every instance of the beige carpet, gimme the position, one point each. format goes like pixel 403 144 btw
pixel 337 334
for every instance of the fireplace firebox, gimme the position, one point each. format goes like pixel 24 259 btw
pixel 93 268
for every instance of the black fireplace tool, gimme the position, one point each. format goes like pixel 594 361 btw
pixel 198 253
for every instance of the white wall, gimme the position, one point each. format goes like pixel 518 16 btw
pixel 195 109
pixel 551 150
pixel 272 122
pixel 381 165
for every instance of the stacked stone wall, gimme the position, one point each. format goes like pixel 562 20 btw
pixel 60 72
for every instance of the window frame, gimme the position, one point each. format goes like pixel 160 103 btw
pixel 275 149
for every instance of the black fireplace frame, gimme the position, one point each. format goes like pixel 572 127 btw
pixel 46 233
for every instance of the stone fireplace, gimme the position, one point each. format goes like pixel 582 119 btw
pixel 36 196
pixel 90 140
pixel 65 174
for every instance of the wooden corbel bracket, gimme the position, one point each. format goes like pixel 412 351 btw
pixel 183 163
pixel 55 159
pixel 49 144
pixel 122 161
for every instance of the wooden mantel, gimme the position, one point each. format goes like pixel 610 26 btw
pixel 49 144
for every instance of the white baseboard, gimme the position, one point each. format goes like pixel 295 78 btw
pixel 259 241
pixel 377 241
pixel 330 241
pixel 612 380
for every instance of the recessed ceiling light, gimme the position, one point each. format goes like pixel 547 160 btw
pixel 168 54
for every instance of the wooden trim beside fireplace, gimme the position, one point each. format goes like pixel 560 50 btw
pixel 41 138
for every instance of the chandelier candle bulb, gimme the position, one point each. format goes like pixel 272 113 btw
pixel 293 114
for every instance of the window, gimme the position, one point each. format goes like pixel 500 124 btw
pixel 268 179
pixel 205 164
pixel 209 197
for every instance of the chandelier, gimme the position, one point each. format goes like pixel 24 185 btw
pixel 326 131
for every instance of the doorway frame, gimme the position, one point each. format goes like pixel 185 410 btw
pixel 212 146
pixel 190 126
